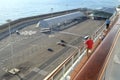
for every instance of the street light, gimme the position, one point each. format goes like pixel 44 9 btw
pixel 11 44
pixel 69 33
pixel 63 32
pixel 67 8
pixel 51 11
pixel 51 17
pixel 13 71
pixel 64 43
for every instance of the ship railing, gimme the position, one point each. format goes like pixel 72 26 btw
pixel 61 70
pixel 65 65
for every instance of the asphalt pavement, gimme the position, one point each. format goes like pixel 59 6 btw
pixel 30 52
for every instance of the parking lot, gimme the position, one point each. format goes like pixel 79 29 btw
pixel 30 52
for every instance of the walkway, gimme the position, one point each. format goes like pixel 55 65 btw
pixel 114 66
pixel 111 69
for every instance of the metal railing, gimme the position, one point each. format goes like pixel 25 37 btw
pixel 63 67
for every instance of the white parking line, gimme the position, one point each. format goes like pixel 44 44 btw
pixel 43 72
pixel 5 47
pixel 35 69
pixel 116 59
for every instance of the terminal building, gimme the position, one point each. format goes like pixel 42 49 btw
pixel 61 22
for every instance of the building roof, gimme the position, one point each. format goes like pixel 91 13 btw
pixel 101 14
pixel 108 10
pixel 118 6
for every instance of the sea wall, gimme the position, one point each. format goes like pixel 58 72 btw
pixel 35 19
pixel 24 22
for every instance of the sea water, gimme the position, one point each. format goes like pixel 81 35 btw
pixel 15 9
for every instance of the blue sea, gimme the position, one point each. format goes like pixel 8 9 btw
pixel 15 9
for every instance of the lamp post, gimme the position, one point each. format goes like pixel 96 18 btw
pixel 69 33
pixel 64 43
pixel 51 12
pixel 11 44
pixel 13 71
pixel 51 17
pixel 67 8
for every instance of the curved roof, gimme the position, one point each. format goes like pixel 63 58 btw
pixel 101 14
pixel 50 22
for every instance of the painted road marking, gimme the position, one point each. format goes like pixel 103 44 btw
pixel 35 69
pixel 116 59
pixel 43 72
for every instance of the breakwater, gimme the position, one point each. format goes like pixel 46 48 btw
pixel 24 22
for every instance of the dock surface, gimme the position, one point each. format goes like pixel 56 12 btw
pixel 30 52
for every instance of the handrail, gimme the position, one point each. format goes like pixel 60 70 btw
pixel 91 70
pixel 59 67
